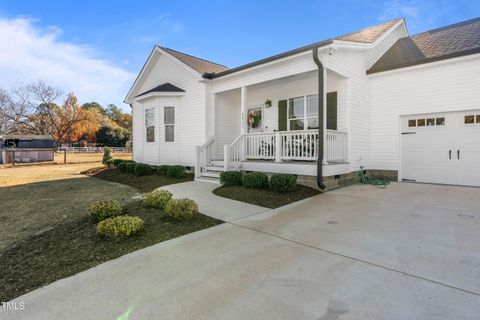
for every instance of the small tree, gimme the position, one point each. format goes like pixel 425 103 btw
pixel 107 155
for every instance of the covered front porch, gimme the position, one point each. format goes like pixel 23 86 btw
pixel 273 126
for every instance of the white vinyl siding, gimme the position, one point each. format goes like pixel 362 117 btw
pixel 451 85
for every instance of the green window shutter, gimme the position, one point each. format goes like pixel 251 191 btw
pixel 282 115
pixel 332 110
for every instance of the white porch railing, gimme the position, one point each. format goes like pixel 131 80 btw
pixel 337 146
pixel 260 145
pixel 204 156
pixel 233 154
pixel 295 145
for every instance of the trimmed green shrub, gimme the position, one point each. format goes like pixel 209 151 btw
pixel 122 166
pixel 116 162
pixel 142 169
pixel 255 180
pixel 162 169
pixel 122 226
pixel 104 209
pixel 109 163
pixel 130 167
pixel 176 171
pixel 107 155
pixel 157 199
pixel 283 183
pixel 231 178
pixel 181 209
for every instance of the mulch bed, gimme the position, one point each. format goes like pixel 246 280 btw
pixel 143 183
pixel 73 247
pixel 265 197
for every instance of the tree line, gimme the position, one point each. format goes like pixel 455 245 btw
pixel 33 109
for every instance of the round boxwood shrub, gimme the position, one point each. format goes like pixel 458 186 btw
pixel 181 209
pixel 255 180
pixel 157 199
pixel 231 178
pixel 142 169
pixel 176 171
pixel 104 209
pixel 283 183
pixel 162 169
pixel 130 167
pixel 121 226
pixel 122 166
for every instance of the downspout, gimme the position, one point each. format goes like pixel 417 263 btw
pixel 321 93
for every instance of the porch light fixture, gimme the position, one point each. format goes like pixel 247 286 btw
pixel 268 103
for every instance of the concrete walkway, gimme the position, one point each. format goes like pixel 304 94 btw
pixel 212 205
pixel 407 252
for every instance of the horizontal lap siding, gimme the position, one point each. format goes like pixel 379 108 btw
pixel 429 89
pixel 227 119
pixel 189 114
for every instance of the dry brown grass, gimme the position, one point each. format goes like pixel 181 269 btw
pixel 89 157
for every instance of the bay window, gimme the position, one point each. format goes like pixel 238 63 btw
pixel 169 122
pixel 150 125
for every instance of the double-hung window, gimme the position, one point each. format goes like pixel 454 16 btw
pixel 169 122
pixel 150 125
pixel 303 112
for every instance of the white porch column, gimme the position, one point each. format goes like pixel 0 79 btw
pixel 243 106
pixel 324 116
pixel 243 120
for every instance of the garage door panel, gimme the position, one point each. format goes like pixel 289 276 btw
pixel 448 153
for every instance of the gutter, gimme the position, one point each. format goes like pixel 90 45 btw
pixel 321 94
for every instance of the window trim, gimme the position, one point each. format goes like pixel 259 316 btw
pixel 165 125
pixel 152 125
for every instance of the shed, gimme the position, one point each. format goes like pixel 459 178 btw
pixel 26 148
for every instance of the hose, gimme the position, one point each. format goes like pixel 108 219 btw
pixel 379 183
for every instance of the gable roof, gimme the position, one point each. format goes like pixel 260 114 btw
pixel 365 36
pixel 200 65
pixel 166 87
pixel 443 43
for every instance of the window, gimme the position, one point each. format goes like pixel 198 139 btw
pixel 150 125
pixel 430 122
pixel 169 121
pixel 440 121
pixel 412 123
pixel 303 112
pixel 296 113
pixel 421 123
pixel 469 119
pixel 477 118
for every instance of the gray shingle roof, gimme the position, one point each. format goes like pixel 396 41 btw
pixel 447 42
pixel 370 34
pixel 198 64
pixel 165 87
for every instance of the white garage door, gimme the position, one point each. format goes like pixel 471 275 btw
pixel 441 148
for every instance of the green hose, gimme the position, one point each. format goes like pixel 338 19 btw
pixel 379 183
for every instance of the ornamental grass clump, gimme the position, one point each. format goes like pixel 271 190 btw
pixel 181 209
pixel 121 226
pixel 104 209
pixel 157 199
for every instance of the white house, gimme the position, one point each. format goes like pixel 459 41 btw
pixel 403 107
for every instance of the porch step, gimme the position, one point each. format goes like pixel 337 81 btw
pixel 207 179
pixel 211 174
pixel 217 163
pixel 215 168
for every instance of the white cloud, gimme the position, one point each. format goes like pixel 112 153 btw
pixel 29 53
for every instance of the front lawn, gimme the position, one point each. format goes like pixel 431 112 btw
pixel 143 183
pixel 74 246
pixel 265 197
pixel 46 235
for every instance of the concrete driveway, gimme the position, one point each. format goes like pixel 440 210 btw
pixel 408 252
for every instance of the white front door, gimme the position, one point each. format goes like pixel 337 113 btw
pixel 441 148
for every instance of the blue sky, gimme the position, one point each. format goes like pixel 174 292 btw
pixel 95 48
